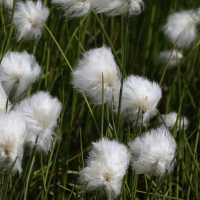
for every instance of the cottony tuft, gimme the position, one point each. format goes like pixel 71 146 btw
pixel 182 26
pixel 140 98
pixel 40 112
pixel 28 20
pixel 153 152
pixel 74 8
pixel 87 76
pixel 17 72
pixel 118 7
pixel 106 166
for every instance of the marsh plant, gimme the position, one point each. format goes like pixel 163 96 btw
pixel 99 99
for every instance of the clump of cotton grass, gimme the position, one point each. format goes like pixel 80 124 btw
pixel 170 121
pixel 28 20
pixel 118 7
pixel 140 98
pixel 40 112
pixel 8 3
pixel 164 56
pixel 74 8
pixel 106 166
pixel 17 72
pixel 4 101
pixel 182 26
pixel 153 152
pixel 87 76
pixel 12 136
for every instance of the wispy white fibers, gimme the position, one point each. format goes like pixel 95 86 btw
pixel 12 135
pixel 170 120
pixel 8 3
pixel 17 72
pixel 182 26
pixel 74 8
pixel 118 7
pixel 28 19
pixel 139 94
pixel 164 56
pixel 153 152
pixel 106 166
pixel 87 76
pixel 40 112
pixel 3 101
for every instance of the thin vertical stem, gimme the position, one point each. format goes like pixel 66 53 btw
pixel 149 187
pixel 123 67
pixel 102 117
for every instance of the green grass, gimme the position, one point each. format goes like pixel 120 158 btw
pixel 54 176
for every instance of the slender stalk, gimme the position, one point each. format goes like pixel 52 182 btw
pixel 149 188
pixel 161 80
pixel 102 117
pixel 123 68
pixel 113 122
pixel 10 31
pixel 28 178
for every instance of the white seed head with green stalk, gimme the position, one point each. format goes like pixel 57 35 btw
pixel 87 76
pixel 40 112
pixel 74 8
pixel 118 7
pixel 164 56
pixel 140 98
pixel 153 152
pixel 182 26
pixel 28 20
pixel 170 120
pixel 105 168
pixel 17 72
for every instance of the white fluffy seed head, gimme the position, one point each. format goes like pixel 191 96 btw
pixel 139 96
pixel 106 166
pixel 87 76
pixel 118 7
pixel 12 135
pixel 164 56
pixel 8 3
pixel 40 112
pixel 74 8
pixel 4 101
pixel 17 72
pixel 153 152
pixel 182 26
pixel 170 120
pixel 28 19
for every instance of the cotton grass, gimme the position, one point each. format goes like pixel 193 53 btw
pixel 106 166
pixel 139 99
pixel 17 72
pixel 182 26
pixel 40 112
pixel 153 152
pixel 74 8
pixel 118 7
pixel 28 20
pixel 12 136
pixel 87 76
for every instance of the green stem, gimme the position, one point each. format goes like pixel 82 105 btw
pixel 149 188
pixel 10 31
pixel 123 68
